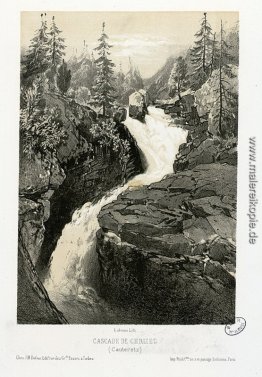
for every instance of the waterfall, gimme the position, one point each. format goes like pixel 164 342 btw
pixel 74 267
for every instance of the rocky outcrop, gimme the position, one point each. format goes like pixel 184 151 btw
pixel 33 303
pixel 206 96
pixel 179 106
pixel 138 105
pixel 202 147
pixel 169 249
pixel 77 120
pixel 49 194
pixel 85 183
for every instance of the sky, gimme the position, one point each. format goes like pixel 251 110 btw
pixel 148 38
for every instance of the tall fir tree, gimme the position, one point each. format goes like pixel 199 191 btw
pixel 226 104
pixel 103 87
pixel 56 45
pixel 202 51
pixel 36 60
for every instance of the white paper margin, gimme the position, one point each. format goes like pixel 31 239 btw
pixel 77 340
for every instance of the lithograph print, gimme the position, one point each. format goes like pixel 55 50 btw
pixel 128 168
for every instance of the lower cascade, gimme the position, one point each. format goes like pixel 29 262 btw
pixel 72 281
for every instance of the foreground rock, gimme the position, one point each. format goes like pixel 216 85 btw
pixel 169 249
pixel 33 303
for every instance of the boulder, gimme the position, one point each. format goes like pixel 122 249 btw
pixel 137 106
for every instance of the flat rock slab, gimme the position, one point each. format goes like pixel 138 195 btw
pixel 198 204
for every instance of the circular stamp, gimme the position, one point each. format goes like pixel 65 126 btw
pixel 237 327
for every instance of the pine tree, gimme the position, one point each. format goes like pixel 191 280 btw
pixel 201 52
pixel 35 61
pixel 103 87
pixel 63 78
pixel 227 101
pixel 56 45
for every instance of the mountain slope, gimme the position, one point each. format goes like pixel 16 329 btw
pixel 157 85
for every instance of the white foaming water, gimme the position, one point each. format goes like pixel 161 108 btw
pixel 74 267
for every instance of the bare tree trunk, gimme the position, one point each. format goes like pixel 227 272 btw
pixel 204 44
pixel 213 54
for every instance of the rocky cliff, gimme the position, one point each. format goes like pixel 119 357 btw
pixel 48 198
pixel 168 249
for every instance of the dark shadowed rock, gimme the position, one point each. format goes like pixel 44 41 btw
pixel 33 302
pixel 120 115
pixel 228 156
pixel 172 243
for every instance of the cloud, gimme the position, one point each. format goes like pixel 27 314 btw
pixel 137 40
pixel 138 44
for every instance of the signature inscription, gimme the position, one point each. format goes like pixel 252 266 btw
pixel 237 327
